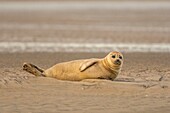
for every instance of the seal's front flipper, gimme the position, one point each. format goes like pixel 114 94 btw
pixel 88 64
pixel 33 69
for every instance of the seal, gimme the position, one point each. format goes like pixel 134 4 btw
pixel 77 70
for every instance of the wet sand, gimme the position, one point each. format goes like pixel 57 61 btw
pixel 142 86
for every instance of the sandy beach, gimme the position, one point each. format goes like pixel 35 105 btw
pixel 143 85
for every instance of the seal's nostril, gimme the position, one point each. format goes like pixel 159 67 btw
pixel 117 60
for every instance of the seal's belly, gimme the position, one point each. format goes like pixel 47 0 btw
pixel 70 71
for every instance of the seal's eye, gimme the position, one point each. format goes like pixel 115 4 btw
pixel 113 56
pixel 120 57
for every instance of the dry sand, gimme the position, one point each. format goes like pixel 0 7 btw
pixel 142 86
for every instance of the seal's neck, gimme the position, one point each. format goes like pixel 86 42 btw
pixel 110 67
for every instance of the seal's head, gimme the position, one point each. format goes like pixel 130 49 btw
pixel 113 61
pixel 115 58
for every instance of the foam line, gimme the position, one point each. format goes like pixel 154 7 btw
pixel 116 5
pixel 81 47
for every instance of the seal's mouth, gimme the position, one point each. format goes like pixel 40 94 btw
pixel 117 62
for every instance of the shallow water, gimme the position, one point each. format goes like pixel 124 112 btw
pixel 93 27
pixel 88 26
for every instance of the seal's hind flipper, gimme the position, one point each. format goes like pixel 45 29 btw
pixel 38 68
pixel 33 69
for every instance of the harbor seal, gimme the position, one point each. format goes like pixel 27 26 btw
pixel 77 70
